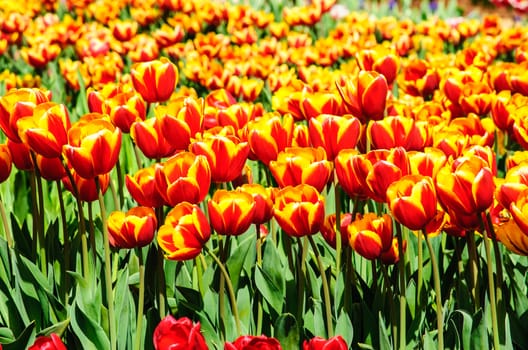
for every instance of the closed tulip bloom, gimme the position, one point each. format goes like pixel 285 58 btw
pixel 142 187
pixel 86 188
pixel 51 342
pixel 181 120
pixel 231 212
pixel 46 131
pixel 366 96
pixel 184 233
pixel 182 333
pixel 466 187
pixel 124 109
pixel 50 169
pixel 20 155
pixel 302 165
pixel 476 98
pixel 93 147
pixel 427 163
pixel 386 170
pixel 148 136
pixel 397 131
pixel 263 202
pixel 5 162
pixel 351 169
pixel 225 154
pixel 269 135
pixel 371 235
pixel 515 182
pixel 380 60
pixel 334 133
pixel 299 210
pixel 511 235
pixel 318 343
pixel 329 228
pixel 313 104
pixel 412 201
pixel 155 80
pixel 185 177
pixel 133 229
pixel 253 342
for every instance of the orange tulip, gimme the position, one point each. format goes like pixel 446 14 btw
pixel 519 211
pixel 155 80
pixel 299 210
pixel 185 177
pixel 20 155
pixel 142 187
pixel 93 147
pixel 263 202
pixel 418 78
pixel 427 163
pixel 226 155
pixel 313 104
pixel 387 167
pixel 397 131
pixel 231 212
pixel 515 182
pixel 296 165
pixel 181 120
pixel 466 186
pixel 366 96
pixel 269 135
pixel 380 60
pixel 51 169
pixel 40 54
pixel 46 131
pixel 86 189
pixel 133 229
pixel 476 98
pixel 351 170
pixel 334 133
pixel 148 136
pixel 5 162
pixel 185 232
pixel 124 109
pixel 329 228
pixel 412 201
pixel 370 235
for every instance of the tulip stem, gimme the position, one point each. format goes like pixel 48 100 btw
pixel 439 309
pixel 199 275
pixel 65 266
pixel 301 272
pixel 491 284
pixel 108 271
pixel 473 268
pixel 141 299
pixel 419 279
pixel 259 295
pixel 326 289
pixel 120 185
pixel 7 229
pixel 338 236
pixel 40 220
pixel 230 289
pixel 403 306
pixel 91 226
pixel 34 211
pixel 160 271
pixel 388 287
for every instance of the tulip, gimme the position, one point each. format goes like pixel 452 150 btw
pixel 296 165
pixel 46 131
pixel 380 60
pixel 5 162
pixel 253 342
pixel 185 177
pixel 318 343
pixel 142 187
pixel 263 202
pixel 515 182
pixel 412 201
pixel 510 234
pixel 20 155
pixel 299 210
pixel 387 167
pixel 133 229
pixel 269 135
pixel 93 147
pixel 180 333
pixel 365 99
pixel 351 169
pixel 155 80
pixel 231 212
pixel 86 188
pixel 466 187
pixel 418 78
pixel 427 163
pixel 225 154
pixel 51 169
pixel 398 131
pixel 317 103
pixel 181 120
pixel 51 342
pixel 334 133
pixel 124 109
pixel 184 233
pixel 476 98
pixel 370 235
pixel 148 136
pixel 329 228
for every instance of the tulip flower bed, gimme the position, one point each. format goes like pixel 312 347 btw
pixel 206 175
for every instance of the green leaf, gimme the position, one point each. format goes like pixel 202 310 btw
pixel 22 342
pixel 237 258
pixel 190 298
pixel 89 331
pixel 58 328
pixel 479 333
pixel 384 340
pixel 124 311
pixel 269 279
pixel 287 332
pixel 344 327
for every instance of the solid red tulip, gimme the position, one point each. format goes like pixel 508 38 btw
pixel 182 333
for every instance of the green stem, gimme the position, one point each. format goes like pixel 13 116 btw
pixel 141 300
pixel 230 289
pixel 301 273
pixel 120 184
pixel 40 219
pixel 403 306
pixel 117 205
pixel 160 273
pixel 199 275
pixel 326 289
pixel 65 266
pixel 108 269
pixel 260 311
pixel 7 229
pixel 491 285
pixel 419 279
pixel 473 268
pixel 388 287
pixel 500 278
pixel 35 213
pixel 91 226
pixel 339 244
pixel 438 292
